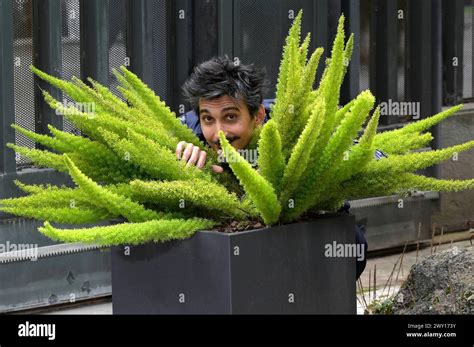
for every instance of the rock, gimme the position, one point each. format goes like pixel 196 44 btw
pixel 442 283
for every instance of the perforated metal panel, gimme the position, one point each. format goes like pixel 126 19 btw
pixel 117 39
pixel 259 41
pixel 260 28
pixel 23 78
pixel 365 19
pixel 468 84
pixel 160 32
pixel 70 49
pixel 368 56
pixel 401 52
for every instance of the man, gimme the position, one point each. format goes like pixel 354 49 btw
pixel 227 96
pixel 224 96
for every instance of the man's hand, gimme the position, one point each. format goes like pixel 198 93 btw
pixel 193 155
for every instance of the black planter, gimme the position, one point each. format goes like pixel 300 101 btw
pixel 278 270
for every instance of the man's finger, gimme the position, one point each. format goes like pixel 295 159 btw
pixel 194 156
pixel 202 159
pixel 187 152
pixel 179 148
pixel 217 169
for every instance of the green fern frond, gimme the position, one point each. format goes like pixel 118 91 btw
pixel 169 120
pixel 130 233
pixel 177 195
pixel 301 154
pixel 258 188
pixel 115 204
pixel 418 126
pixel 270 157
pixel 60 215
pixel 415 161
pixel 41 158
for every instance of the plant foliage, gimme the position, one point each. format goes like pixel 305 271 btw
pixel 124 164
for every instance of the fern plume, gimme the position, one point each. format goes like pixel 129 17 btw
pixel 313 154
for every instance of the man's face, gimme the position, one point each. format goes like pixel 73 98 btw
pixel 232 117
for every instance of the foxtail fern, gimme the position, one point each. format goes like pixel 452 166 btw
pixel 312 155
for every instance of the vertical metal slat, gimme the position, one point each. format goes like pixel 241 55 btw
pixel 205 30
pixel 334 11
pixel 141 45
pixel 420 59
pixel 226 32
pixel 140 39
pixel 437 75
pixel 350 86
pixel 7 111
pixel 320 36
pixel 384 54
pixel 47 57
pixel 95 40
pixel 453 39
pixel 424 60
pixel 182 18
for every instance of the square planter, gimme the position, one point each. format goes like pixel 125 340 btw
pixel 278 270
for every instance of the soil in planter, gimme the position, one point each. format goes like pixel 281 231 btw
pixel 237 226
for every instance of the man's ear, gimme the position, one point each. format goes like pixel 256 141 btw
pixel 260 117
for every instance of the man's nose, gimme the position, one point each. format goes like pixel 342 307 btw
pixel 220 127
pixel 216 135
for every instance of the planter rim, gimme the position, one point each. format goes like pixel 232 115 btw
pixel 320 217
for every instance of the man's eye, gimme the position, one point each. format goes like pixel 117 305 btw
pixel 231 116
pixel 207 119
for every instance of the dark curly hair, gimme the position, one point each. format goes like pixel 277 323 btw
pixel 222 76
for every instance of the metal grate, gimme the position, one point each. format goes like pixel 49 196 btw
pixel 23 78
pixel 468 68
pixel 160 33
pixel 401 81
pixel 260 41
pixel 117 40
pixel 71 65
pixel 365 23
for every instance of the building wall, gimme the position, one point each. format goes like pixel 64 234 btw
pixel 456 209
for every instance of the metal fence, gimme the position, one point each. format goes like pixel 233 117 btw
pixel 418 51
pixel 406 51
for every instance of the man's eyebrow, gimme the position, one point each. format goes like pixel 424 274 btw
pixel 225 109
pixel 230 108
